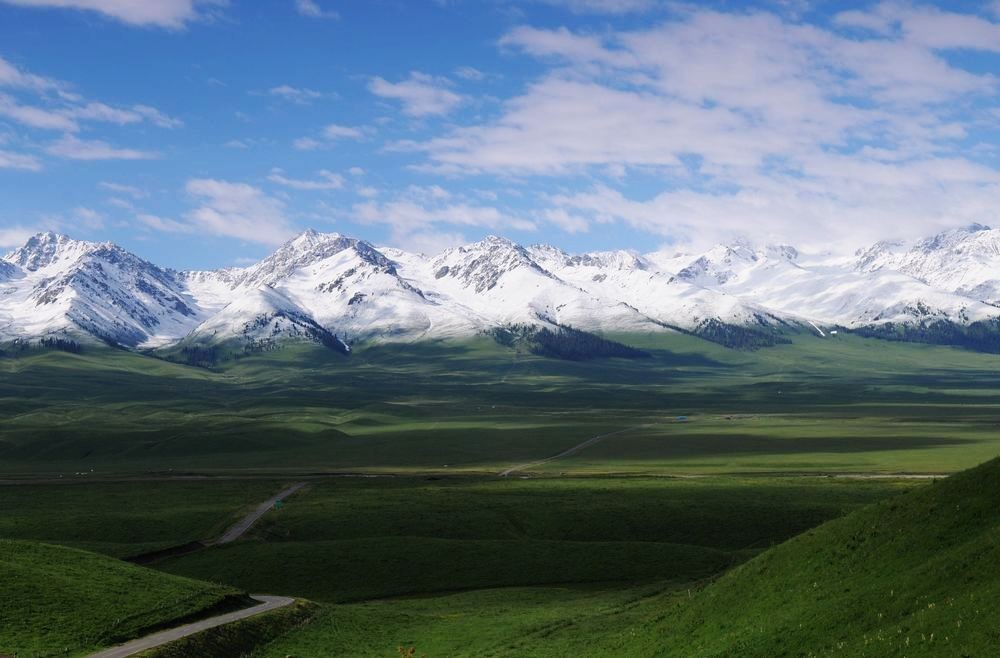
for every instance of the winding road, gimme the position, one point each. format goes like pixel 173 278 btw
pixel 267 603
pixel 571 451
pixel 239 528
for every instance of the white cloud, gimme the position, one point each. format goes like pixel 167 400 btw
pixel 421 94
pixel 300 95
pixel 88 218
pixel 307 144
pixel 119 188
pixel 751 121
pixel 412 213
pixel 330 133
pixel 325 180
pixel 337 131
pixel 238 210
pixel 469 73
pixel 161 13
pixel 164 225
pixel 312 9
pixel 605 6
pixel 11 160
pixel 15 236
pixel 156 117
pixel 73 148
pixel 356 171
pixel 427 242
pixel 95 111
pixel 35 117
pixel 566 221
pixel 12 76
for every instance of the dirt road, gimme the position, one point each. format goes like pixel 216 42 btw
pixel 267 603
pixel 240 527
pixel 571 451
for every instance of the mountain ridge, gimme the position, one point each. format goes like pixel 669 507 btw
pixel 321 286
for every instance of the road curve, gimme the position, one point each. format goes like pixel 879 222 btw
pixel 571 451
pixel 240 527
pixel 267 603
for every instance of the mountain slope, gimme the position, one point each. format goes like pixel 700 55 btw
pixel 668 299
pixel 965 261
pixel 259 320
pixel 827 291
pixel 97 289
pixel 500 280
pixel 59 601
pixel 914 575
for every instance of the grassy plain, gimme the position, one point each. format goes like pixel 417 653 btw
pixel 840 405
pixel 126 518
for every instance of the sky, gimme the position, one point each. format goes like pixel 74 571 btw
pixel 204 133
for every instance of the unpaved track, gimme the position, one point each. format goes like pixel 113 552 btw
pixel 267 603
pixel 240 527
pixel 571 451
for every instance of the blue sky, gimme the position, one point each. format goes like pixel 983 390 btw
pixel 202 134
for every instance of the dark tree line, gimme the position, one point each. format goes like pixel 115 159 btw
pixel 738 337
pixel 61 344
pixel 201 356
pixel 563 343
pixel 20 346
pixel 981 336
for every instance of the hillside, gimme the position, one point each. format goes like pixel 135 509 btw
pixel 913 575
pixel 57 600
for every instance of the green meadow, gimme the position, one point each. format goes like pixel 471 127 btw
pixel 842 405
pixel 726 485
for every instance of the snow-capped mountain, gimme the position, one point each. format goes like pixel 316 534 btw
pixel 664 297
pixel 331 288
pixel 965 261
pixel 99 289
pixel 826 291
pixel 500 280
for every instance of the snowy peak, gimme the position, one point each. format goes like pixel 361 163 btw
pixel 964 261
pixel 306 249
pixel 481 265
pixel 46 250
pixel 719 265
pixel 318 286
pixel 878 255
pixel 972 238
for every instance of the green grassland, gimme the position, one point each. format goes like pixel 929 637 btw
pixel 386 555
pixel 129 517
pixel 847 404
pixel 62 601
pixel 644 539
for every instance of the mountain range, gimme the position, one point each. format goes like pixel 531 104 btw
pixel 339 290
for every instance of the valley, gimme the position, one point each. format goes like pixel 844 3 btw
pixel 406 532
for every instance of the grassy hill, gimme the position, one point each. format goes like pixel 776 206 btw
pixel 62 601
pixel 914 575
